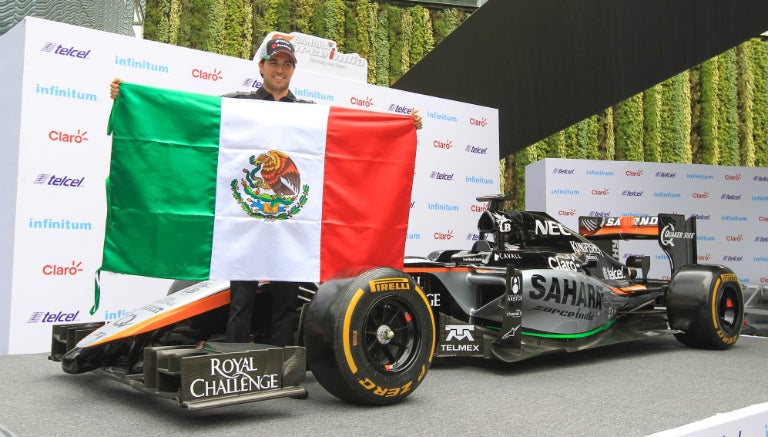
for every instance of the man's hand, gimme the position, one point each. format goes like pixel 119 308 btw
pixel 416 118
pixel 114 88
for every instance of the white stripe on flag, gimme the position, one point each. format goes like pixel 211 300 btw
pixel 245 247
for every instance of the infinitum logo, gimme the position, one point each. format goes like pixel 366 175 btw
pixel 68 93
pixel 478 180
pixel 62 224
pixel 141 64
pixel 314 95
pixel 71 52
pixel 58 181
pixel 442 116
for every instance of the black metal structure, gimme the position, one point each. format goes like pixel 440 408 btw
pixel 546 64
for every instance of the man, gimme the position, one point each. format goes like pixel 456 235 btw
pixel 276 67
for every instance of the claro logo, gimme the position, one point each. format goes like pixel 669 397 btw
pixel 63 137
pixel 438 144
pixel 63 270
pixel 363 102
pixel 215 75
pixel 482 122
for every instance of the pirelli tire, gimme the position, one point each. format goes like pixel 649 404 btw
pixel 370 336
pixel 706 303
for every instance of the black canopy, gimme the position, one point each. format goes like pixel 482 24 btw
pixel 546 64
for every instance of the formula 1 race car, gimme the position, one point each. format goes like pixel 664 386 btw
pixel 528 286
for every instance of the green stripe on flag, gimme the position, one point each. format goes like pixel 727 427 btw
pixel 162 183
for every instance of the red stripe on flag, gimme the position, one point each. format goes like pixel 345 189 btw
pixel 369 165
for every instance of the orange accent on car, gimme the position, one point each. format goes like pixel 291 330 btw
pixel 167 318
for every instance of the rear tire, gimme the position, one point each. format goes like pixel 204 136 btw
pixel 706 303
pixel 370 336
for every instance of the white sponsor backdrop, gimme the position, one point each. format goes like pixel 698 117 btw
pixel 730 204
pixel 55 155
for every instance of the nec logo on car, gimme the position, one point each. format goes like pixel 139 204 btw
pixel 64 181
pixel 58 49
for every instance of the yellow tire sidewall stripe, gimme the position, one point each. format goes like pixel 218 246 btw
pixel 345 334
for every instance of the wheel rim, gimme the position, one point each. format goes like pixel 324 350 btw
pixel 728 309
pixel 391 336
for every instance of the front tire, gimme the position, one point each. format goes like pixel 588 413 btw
pixel 706 303
pixel 370 336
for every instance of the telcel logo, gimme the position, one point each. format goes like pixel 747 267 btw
pixel 59 136
pixel 476 150
pixel 198 73
pixel 441 176
pixel 66 181
pixel 47 317
pixel 252 83
pixel 632 193
pixel 400 109
pixel 58 49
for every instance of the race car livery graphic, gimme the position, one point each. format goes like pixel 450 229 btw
pixel 528 286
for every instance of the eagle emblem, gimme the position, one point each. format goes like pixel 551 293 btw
pixel 271 188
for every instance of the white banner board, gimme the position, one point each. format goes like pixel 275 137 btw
pixel 730 205
pixel 54 95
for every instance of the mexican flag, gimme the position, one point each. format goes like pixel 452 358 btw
pixel 209 187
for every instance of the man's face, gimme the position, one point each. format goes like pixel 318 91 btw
pixel 277 72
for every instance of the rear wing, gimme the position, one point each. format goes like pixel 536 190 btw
pixel 675 234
